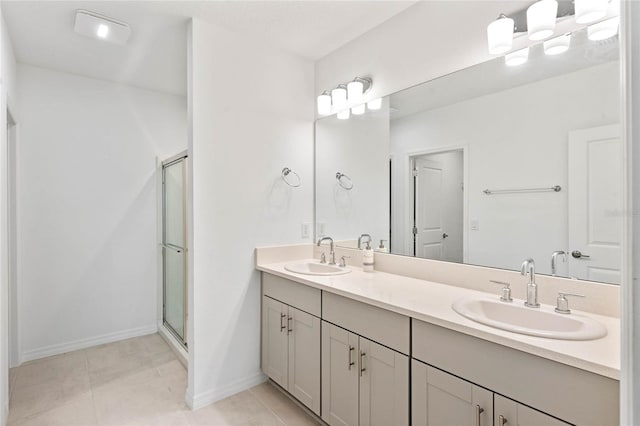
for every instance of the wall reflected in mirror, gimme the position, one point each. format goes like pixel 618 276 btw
pixel 488 166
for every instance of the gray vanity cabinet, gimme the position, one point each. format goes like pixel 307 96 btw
pixel 363 382
pixel 291 338
pixel 440 399
pixel 511 413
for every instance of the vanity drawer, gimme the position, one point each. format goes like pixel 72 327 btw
pixel 566 392
pixel 385 327
pixel 299 296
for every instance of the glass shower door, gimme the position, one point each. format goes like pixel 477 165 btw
pixel 174 243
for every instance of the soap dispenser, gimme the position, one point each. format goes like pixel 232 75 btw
pixel 382 248
pixel 367 258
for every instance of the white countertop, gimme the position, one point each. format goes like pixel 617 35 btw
pixel 431 302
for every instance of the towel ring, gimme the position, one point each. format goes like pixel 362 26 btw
pixel 344 181
pixel 294 181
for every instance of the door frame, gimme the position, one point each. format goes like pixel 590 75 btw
pixel 180 157
pixel 409 199
pixel 13 253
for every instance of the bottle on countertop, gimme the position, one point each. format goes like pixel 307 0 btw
pixel 382 248
pixel 367 258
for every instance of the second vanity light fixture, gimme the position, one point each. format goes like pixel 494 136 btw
pixel 540 25
pixel 347 99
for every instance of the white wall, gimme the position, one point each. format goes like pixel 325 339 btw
pixel 7 98
pixel 87 207
pixel 359 148
pixel 252 109
pixel 509 150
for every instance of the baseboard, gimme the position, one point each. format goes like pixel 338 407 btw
pixel 176 347
pixel 87 343
pixel 205 398
pixel 4 414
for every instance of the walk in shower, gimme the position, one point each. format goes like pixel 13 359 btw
pixel 174 246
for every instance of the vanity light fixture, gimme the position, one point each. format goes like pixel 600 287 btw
pixel 603 30
pixel 358 109
pixel 344 114
pixel 375 104
pixel 500 35
pixel 516 58
pixel 324 103
pixel 588 11
pixel 94 25
pixel 339 97
pixel 557 45
pixel 541 19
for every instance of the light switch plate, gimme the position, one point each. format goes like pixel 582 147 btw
pixel 304 230
pixel 475 224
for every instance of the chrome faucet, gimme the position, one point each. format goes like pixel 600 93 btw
pixel 361 237
pixel 554 262
pixel 529 266
pixel 332 254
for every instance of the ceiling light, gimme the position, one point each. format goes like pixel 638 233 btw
pixel 557 45
pixel 358 110
pixel 324 103
pixel 516 58
pixel 339 97
pixel 588 11
pixel 541 19
pixel 344 114
pixel 500 35
pixel 375 104
pixel 93 25
pixel 603 30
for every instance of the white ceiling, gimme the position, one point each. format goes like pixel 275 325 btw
pixel 155 57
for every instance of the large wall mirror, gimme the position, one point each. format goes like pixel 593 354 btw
pixel 488 166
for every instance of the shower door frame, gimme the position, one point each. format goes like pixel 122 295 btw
pixel 180 157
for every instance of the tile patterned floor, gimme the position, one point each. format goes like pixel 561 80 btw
pixel 133 382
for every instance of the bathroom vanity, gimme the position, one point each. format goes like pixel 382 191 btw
pixel 381 348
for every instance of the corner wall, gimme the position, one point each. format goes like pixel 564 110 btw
pixel 7 97
pixel 253 112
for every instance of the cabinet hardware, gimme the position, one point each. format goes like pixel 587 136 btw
pixel 289 322
pixel 351 348
pixel 479 410
pixel 362 369
pixel 282 326
pixel 502 420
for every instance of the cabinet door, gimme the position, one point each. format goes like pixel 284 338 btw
pixel 511 413
pixel 274 341
pixel 304 358
pixel 440 399
pixel 384 385
pixel 339 376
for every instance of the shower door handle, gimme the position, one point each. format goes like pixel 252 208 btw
pixel 173 247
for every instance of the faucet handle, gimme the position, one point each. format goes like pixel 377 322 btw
pixel 506 290
pixel 562 304
pixel 343 261
pixel 323 258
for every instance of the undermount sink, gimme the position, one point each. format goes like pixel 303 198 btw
pixel 315 268
pixel 541 322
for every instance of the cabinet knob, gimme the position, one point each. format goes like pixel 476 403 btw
pixel 502 420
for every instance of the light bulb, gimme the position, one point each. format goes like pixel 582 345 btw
pixel 355 91
pixel 516 58
pixel 500 35
pixel 588 11
pixel 541 19
pixel 344 114
pixel 339 97
pixel 557 45
pixel 603 30
pixel 375 104
pixel 324 104
pixel 358 110
pixel 102 31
